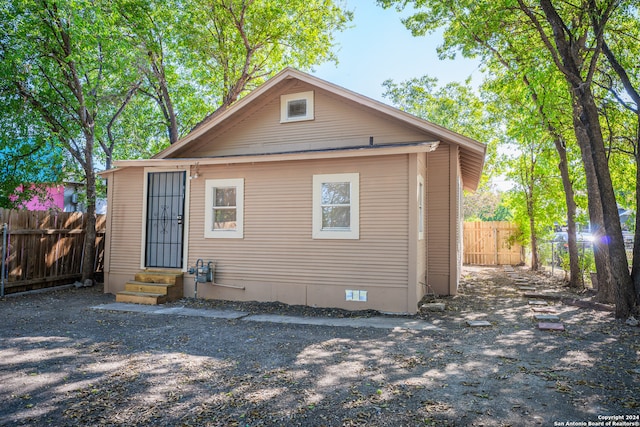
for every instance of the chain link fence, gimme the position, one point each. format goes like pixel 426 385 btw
pixel 554 255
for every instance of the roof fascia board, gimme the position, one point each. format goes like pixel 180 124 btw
pixel 262 158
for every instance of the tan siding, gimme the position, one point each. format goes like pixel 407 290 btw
pixel 438 219
pixel 337 123
pixel 457 267
pixel 453 219
pixel 278 253
pixel 126 222
pixel 421 257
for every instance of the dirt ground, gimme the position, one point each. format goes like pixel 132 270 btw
pixel 63 363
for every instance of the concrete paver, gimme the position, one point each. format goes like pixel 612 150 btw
pixel 538 301
pixel 547 326
pixel 545 309
pixel 176 311
pixel 434 306
pixel 354 322
pixel 546 317
pixel 541 295
pixel 478 323
pixel 379 322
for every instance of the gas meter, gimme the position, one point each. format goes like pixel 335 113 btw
pixel 203 273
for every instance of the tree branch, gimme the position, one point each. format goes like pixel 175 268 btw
pixel 559 29
pixel 622 74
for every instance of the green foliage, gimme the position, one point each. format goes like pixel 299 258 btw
pixel 227 49
pixel 236 44
pixel 529 95
pixel 27 168
pixel 111 79
pixel 455 106
pixel 65 68
pixel 484 204
pixel 29 159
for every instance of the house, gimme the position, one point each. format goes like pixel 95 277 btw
pixel 37 188
pixel 49 197
pixel 60 197
pixel 301 192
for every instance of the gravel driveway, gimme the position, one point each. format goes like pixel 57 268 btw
pixel 63 363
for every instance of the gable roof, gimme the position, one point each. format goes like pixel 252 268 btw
pixel 471 152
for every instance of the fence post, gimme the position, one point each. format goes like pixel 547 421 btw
pixel 4 259
pixel 553 258
pixel 495 242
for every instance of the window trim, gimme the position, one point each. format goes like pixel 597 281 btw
pixel 353 232
pixel 284 107
pixel 210 185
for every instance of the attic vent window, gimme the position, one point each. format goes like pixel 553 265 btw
pixel 296 107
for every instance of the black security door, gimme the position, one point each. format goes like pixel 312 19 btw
pixel 165 217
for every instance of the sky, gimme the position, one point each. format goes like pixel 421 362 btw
pixel 377 47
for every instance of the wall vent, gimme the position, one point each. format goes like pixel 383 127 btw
pixel 355 295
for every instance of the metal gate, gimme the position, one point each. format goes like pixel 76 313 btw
pixel 165 218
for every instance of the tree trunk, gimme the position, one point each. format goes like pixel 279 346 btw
pixel 173 121
pixel 606 292
pixel 162 96
pixel 575 274
pixel 570 57
pixel 589 133
pixel 635 269
pixel 88 268
pixel 633 93
pixel 576 279
pixel 535 259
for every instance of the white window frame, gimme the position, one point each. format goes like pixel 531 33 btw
pixel 210 186
pixel 421 211
pixel 284 106
pixel 353 232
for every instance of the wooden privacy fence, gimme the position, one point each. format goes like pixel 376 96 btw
pixel 45 249
pixel 491 243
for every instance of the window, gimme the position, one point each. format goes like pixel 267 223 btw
pixel 420 207
pixel 224 204
pixel 336 211
pixel 296 107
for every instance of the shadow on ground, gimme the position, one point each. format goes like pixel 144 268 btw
pixel 62 363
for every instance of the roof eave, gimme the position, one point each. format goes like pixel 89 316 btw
pixel 347 152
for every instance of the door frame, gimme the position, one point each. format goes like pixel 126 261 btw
pixel 185 222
